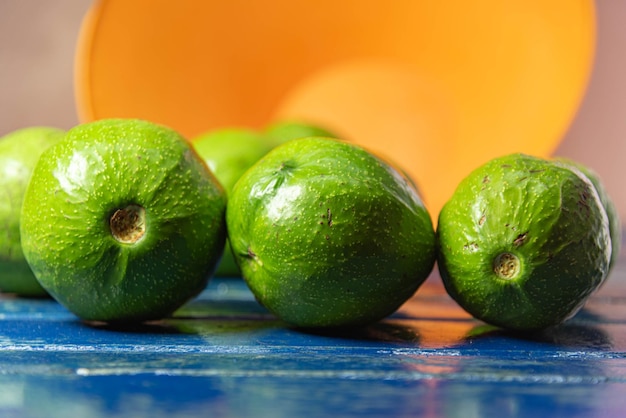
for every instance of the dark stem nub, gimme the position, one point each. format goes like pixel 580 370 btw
pixel 128 225
pixel 506 266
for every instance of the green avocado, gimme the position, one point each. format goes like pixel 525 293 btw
pixel 328 235
pixel 615 224
pixel 523 242
pixel 19 152
pixel 122 221
pixel 229 152
pixel 281 131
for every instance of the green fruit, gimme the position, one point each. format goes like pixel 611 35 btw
pixel 122 221
pixel 327 234
pixel 285 130
pixel 19 152
pixel 229 152
pixel 615 224
pixel 523 242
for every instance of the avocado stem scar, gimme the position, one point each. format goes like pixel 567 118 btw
pixel 128 225
pixel 506 266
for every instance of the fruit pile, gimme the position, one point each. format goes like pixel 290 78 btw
pixel 124 220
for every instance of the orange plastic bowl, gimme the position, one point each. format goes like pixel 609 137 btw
pixel 439 87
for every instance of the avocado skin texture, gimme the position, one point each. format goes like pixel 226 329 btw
pixel 615 223
pixel 19 152
pixel 328 235
pixel 76 187
pixel 229 152
pixel 547 215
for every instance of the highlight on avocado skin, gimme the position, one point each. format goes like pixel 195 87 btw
pixel 123 221
pixel 230 151
pixel 328 235
pixel 523 242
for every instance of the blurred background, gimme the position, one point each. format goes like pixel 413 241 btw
pixel 38 40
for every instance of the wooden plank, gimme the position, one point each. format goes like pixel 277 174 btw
pixel 224 355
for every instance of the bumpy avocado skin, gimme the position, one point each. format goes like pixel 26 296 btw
pixel 229 152
pixel 615 224
pixel 19 152
pixel 328 235
pixel 77 186
pixel 549 217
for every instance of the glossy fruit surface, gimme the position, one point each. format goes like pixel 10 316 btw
pixel 19 152
pixel 122 221
pixel 523 242
pixel 327 234
pixel 229 152
pixel 615 223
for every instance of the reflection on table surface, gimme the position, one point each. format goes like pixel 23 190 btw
pixel 224 355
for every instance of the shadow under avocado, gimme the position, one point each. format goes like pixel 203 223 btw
pixel 199 317
pixel 210 309
pixel 378 332
pixel 570 335
pixel 182 326
pixel 152 327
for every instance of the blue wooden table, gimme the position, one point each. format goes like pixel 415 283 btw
pixel 224 355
